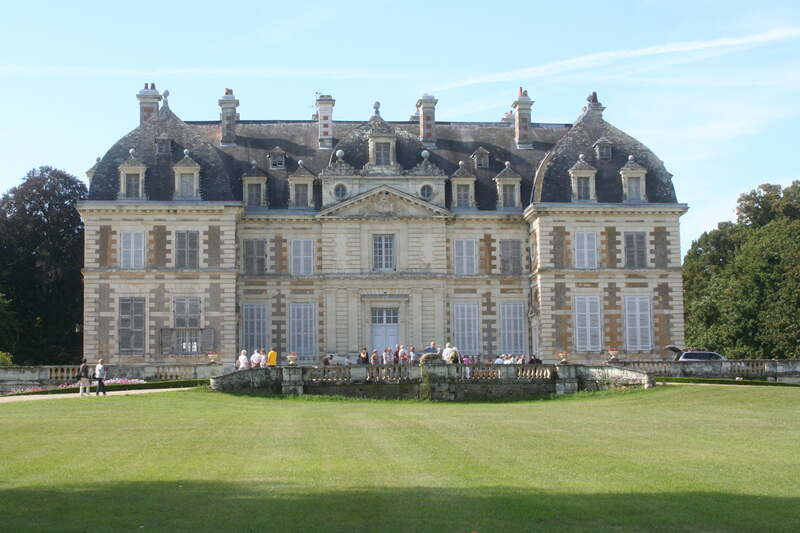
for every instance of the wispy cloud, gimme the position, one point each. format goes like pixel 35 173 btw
pixel 255 72
pixel 605 58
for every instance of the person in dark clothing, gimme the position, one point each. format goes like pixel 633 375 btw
pixel 84 385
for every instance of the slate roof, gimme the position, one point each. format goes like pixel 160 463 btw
pixel 222 167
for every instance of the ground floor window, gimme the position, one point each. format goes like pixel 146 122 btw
pixel 187 312
pixel 512 328
pixel 254 317
pixel 131 325
pixel 587 324
pixel 302 329
pixel 637 323
pixel 467 327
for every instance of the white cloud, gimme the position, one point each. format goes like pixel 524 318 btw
pixel 605 58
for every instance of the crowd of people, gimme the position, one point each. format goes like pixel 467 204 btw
pixel 399 355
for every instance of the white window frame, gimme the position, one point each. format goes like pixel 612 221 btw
pixel 638 324
pixel 188 334
pixel 385 260
pixel 255 326
pixel 586 250
pixel 587 190
pixel 588 324
pixel 254 200
pixel 190 251
pixel 638 196
pixel 511 263
pixel 464 257
pixel 252 257
pixel 302 329
pixel 512 328
pixel 302 257
pixel 307 189
pixel 467 327
pixel 509 194
pixel 379 160
pixel 132 250
pixel 463 200
pixel 128 321
pixel 139 180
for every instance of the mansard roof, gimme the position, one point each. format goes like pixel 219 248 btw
pixel 555 150
pixel 552 181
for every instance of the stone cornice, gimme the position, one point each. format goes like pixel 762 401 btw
pixel 539 209
pixel 121 207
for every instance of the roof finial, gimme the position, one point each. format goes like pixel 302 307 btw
pixel 460 164
pixel 377 107
pixel 300 164
pixel 185 152
pixel 165 94
pixel 631 158
pixel 508 164
pixel 425 155
pixel 581 157
pixel 97 160
pixel 339 154
pixel 253 163
pixel 131 152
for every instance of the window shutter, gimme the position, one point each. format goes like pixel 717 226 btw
pixel 207 340
pixel 192 249
pixel 469 257
pixel 581 324
pixel 459 257
pixel 641 257
pixel 591 249
pixel 594 323
pixel 638 324
pixel 167 343
pixel 580 250
pixel 180 249
pixel 308 257
pixel 587 323
pixel 644 323
pixel 630 252
pixel 297 261
pixel 512 327
pixel 138 248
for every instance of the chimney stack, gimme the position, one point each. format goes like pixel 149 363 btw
pixel 148 102
pixel 522 120
pixel 426 108
pixel 324 104
pixel 228 117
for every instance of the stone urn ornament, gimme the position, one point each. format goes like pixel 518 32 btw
pixel 562 358
pixel 291 359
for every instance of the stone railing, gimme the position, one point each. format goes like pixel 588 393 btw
pixel 21 377
pixel 768 369
pixel 431 381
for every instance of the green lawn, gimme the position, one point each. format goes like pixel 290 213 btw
pixel 677 458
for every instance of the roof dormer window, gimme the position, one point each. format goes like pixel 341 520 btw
pixel 582 176
pixel 254 183
pixel 602 148
pixel 481 158
pixel 133 185
pixel 383 156
pixel 187 178
pixel 277 158
pixel 163 145
pixel 633 181
pixel 131 178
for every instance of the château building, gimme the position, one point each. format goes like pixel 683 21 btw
pixel 324 236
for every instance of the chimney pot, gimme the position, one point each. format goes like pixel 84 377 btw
pixel 228 117
pixel 148 102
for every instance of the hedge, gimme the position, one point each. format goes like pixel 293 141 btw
pixel 178 383
pixel 723 381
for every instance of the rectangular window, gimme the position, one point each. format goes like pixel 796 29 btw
pixel 509 195
pixel 278 161
pixel 131 325
pixel 254 194
pixel 302 257
pixel 382 154
pixel 587 323
pixel 466 327
pixel 255 256
pixel 383 252
pixel 187 185
pixel 635 250
pixel 385 315
pixel 584 189
pixel 187 311
pixel 301 195
pixel 186 249
pixel 462 195
pixel 637 323
pixel 132 250
pixel 464 257
pixel 482 161
pixel 512 328
pixel 585 249
pixel 634 189
pixel 254 317
pixel 511 257
pixel 301 329
pixel 604 151
pixel 132 185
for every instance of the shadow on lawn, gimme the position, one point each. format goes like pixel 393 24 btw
pixel 209 506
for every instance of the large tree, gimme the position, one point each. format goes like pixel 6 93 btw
pixel 742 280
pixel 41 255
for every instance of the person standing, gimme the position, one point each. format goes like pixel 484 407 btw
pixel 447 353
pixel 100 376
pixel 412 356
pixel 85 385
pixel 431 348
pixel 244 362
pixel 272 357
pixel 255 359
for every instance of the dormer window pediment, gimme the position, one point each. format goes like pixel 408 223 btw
pixel 131 178
pixel 633 181
pixel 187 178
pixel 582 176
pixel 508 183
pixel 301 188
pixel 462 184
pixel 254 187
pixel 481 157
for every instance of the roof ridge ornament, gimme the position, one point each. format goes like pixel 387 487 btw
pixel 426 167
pixel 593 105
pixel 377 107
pixel 165 95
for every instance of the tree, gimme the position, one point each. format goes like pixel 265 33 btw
pixel 9 328
pixel 41 255
pixel 742 281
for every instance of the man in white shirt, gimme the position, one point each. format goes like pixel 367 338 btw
pixel 243 362
pixel 499 360
pixel 255 359
pixel 447 353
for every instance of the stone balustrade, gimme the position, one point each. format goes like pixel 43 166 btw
pixel 767 369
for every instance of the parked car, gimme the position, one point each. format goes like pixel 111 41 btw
pixel 682 354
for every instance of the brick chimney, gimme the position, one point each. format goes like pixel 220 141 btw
pixel 228 117
pixel 426 108
pixel 522 120
pixel 148 102
pixel 324 104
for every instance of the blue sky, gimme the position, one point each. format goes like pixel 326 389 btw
pixel 712 87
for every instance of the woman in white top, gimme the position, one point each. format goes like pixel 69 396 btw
pixel 244 362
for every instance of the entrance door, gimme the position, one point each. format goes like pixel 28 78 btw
pixel 385 328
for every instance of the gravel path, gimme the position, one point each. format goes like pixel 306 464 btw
pixel 9 399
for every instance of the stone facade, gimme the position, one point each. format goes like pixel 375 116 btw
pixel 328 236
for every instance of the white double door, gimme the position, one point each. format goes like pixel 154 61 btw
pixel 385 328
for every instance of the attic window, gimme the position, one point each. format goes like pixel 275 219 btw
pixel 133 185
pixel 278 161
pixel 163 146
pixel 482 161
pixel 603 151
pixel 382 154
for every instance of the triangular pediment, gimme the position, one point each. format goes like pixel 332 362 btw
pixel 384 202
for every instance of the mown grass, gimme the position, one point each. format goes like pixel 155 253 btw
pixel 676 458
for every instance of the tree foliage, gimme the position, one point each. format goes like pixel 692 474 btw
pixel 742 281
pixel 41 255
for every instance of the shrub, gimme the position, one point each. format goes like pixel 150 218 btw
pixel 6 359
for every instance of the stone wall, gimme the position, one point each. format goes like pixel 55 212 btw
pixel 769 369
